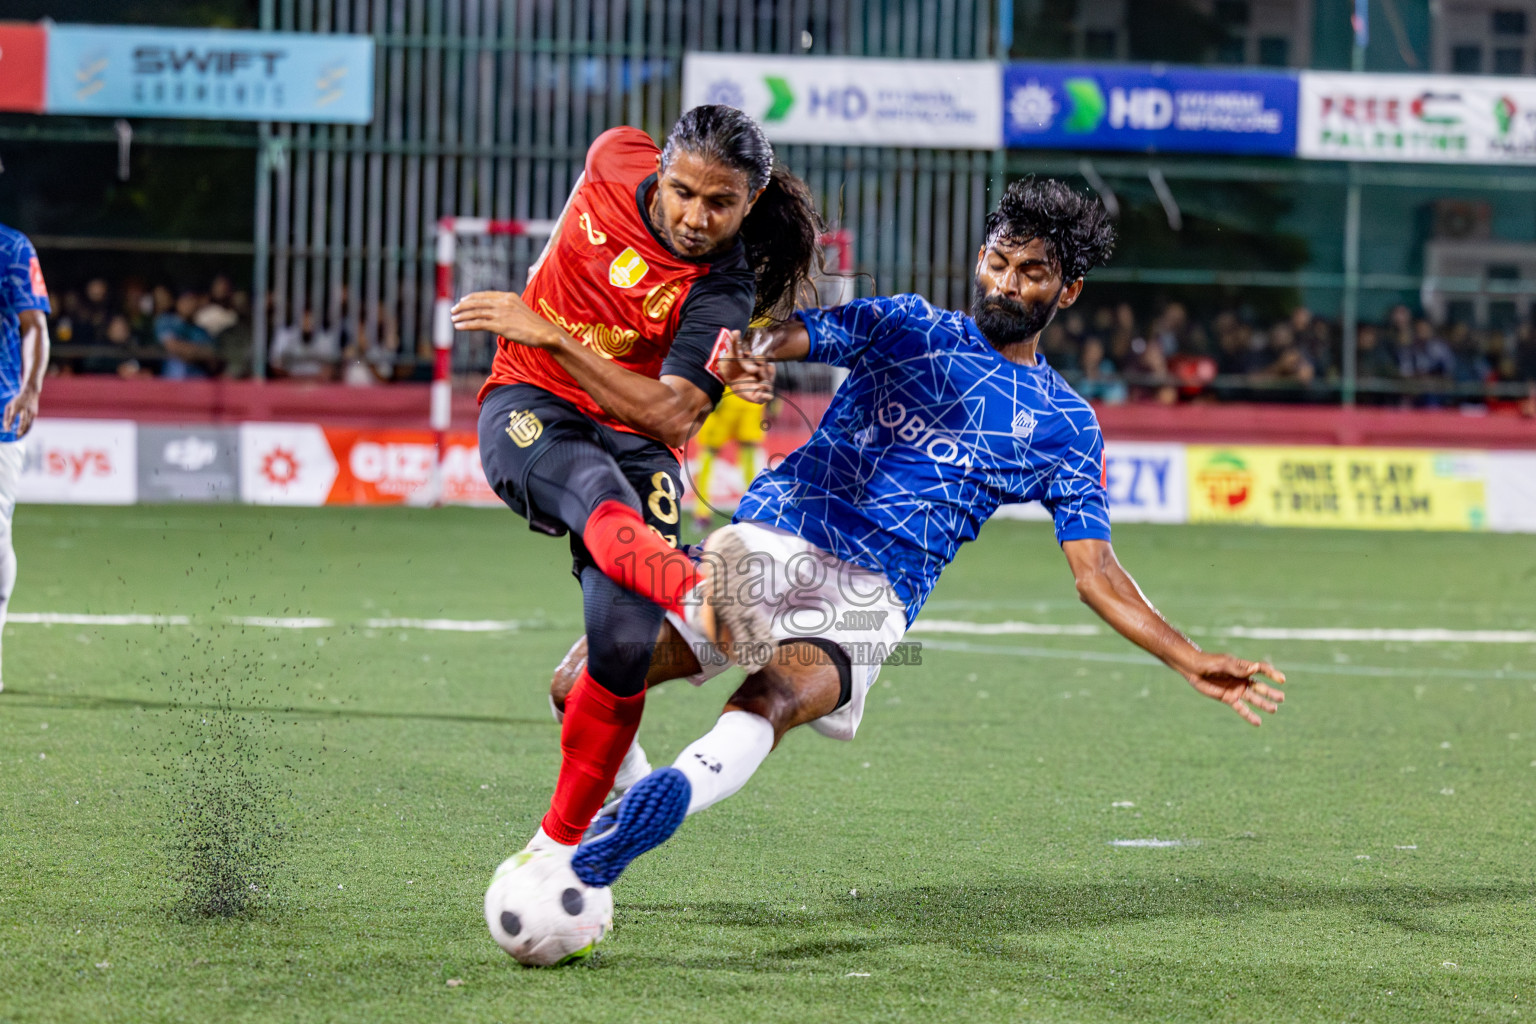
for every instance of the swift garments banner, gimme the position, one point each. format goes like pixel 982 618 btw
pixel 1365 488
pixel 209 73
pixel 1417 118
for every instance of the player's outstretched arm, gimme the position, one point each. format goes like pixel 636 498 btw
pixel 669 409
pixel 748 368
pixel 1109 590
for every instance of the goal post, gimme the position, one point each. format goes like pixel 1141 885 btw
pixel 450 232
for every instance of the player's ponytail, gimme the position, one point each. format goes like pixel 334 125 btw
pixel 782 236
pixel 782 233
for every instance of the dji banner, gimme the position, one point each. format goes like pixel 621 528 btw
pixel 188 463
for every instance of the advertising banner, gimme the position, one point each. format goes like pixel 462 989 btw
pixel 395 467
pixel 285 464
pixel 23 50
pixel 188 463
pixel 128 71
pixel 306 464
pixel 1417 118
pixel 1367 488
pixel 852 101
pixel 1172 110
pixel 1512 492
pixel 80 462
pixel 1146 484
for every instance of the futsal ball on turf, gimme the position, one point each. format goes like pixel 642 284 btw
pixel 542 914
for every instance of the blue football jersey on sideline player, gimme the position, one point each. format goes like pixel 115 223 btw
pixel 930 433
pixel 21 287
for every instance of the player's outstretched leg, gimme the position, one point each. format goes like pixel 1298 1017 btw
pixel 646 817
pixel 791 691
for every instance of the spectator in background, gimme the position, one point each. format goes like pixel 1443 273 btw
pixel 1468 364
pixel 189 350
pixel 1097 380
pixel 120 357
pixel 1170 331
pixel 1287 363
pixel 91 314
pixel 1427 356
pixel 306 352
pixel 1376 364
pixel 1525 365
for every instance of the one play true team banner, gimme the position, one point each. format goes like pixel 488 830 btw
pixel 1174 110
pixel 125 71
pixel 1366 488
pixel 1417 118
pixel 852 101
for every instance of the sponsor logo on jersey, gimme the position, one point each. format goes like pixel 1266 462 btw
pixel 658 301
pixel 35 273
pixel 937 443
pixel 594 236
pixel 609 340
pixel 523 427
pixel 627 268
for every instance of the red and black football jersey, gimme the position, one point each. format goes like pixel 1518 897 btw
pixel 607 278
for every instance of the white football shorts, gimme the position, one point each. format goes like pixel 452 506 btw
pixel 12 453
pixel 813 594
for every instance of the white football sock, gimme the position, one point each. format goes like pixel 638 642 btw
pixel 542 841
pixel 721 761
pixel 635 767
pixel 7 575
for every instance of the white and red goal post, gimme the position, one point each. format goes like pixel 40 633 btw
pixel 449 231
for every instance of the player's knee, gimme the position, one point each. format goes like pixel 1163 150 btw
pixel 567 672
pixel 618 663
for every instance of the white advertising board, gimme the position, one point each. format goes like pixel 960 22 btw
pixel 851 101
pixel 80 462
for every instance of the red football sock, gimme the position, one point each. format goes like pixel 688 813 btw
pixel 598 729
pixel 628 553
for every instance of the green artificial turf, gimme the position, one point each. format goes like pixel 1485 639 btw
pixel 1365 856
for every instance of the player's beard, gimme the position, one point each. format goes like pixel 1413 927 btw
pixel 1006 321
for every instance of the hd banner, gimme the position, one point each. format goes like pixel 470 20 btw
pixel 1417 118
pixel 124 71
pixel 1171 110
pixel 852 101
pixel 1364 488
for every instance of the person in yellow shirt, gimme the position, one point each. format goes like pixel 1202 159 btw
pixel 734 419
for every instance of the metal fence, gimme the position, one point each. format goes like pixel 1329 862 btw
pixel 485 108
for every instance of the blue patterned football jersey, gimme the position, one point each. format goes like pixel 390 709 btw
pixel 21 287
pixel 930 433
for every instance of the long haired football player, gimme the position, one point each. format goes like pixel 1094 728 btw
pixel 607 362
pixel 943 418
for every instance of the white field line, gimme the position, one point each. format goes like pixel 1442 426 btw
pixel 66 619
pixel 267 622
pixel 1135 657
pixel 938 626
pixel 1335 635
pixel 1155 844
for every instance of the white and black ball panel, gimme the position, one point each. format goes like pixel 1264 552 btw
pixel 541 913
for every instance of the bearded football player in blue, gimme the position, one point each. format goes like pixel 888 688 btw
pixel 943 418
